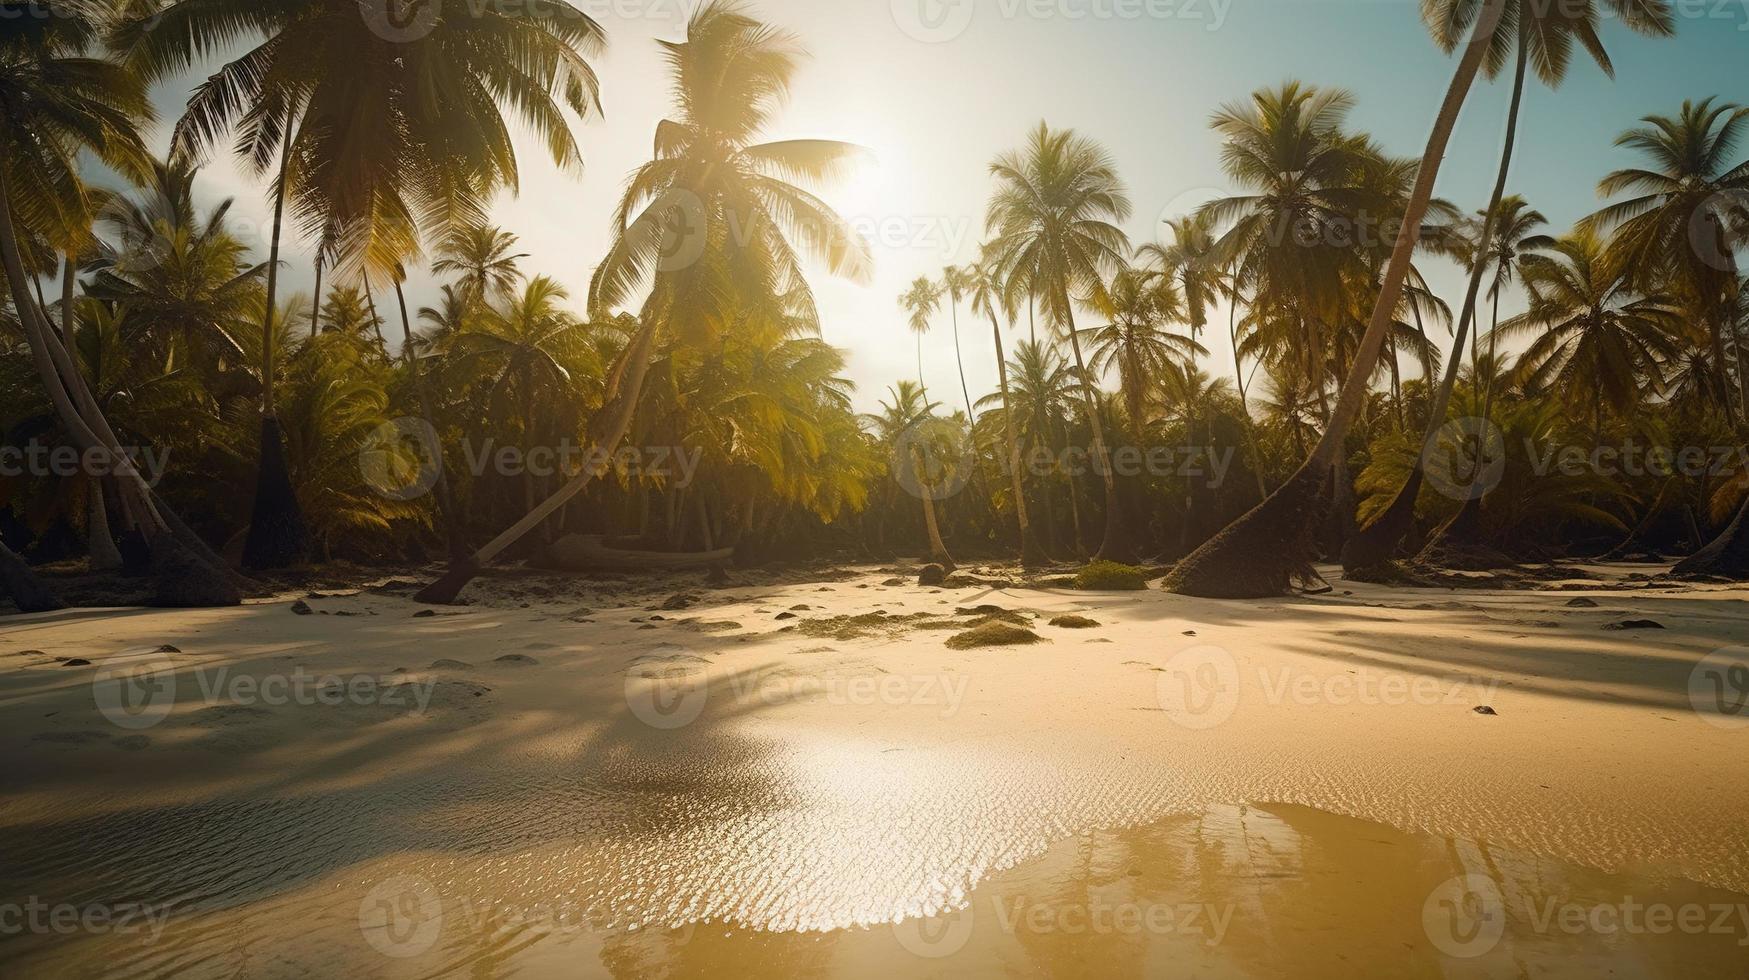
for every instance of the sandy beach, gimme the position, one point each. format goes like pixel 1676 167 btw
pixel 664 776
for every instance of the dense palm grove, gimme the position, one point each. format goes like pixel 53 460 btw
pixel 138 319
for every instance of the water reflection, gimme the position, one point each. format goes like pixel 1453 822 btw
pixel 1230 892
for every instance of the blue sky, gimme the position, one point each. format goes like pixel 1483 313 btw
pixel 936 88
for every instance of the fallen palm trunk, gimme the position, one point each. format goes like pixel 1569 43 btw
pixel 27 590
pixel 590 552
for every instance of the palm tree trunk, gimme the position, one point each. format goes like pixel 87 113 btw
pixel 184 573
pixel 277 535
pixel 625 384
pixel 965 390
pixel 100 546
pixel 445 499
pixel 1244 399
pixel 1377 543
pixel 937 549
pixel 316 306
pixel 1263 552
pixel 1030 556
pixel 1117 546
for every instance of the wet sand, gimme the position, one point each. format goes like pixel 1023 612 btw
pixel 744 784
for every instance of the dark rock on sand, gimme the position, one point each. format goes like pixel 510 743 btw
pixel 1635 624
pixel 76 662
pixel 1485 710
pixel 517 660
pixel 425 614
pixel 932 575
pixel 450 665
pixel 1582 603
pixel 302 608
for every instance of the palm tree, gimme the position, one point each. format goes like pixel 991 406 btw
pixel 1597 344
pixel 1054 216
pixel 1135 342
pixel 1193 263
pixel 988 294
pixel 346 119
pixel 1684 222
pixel 709 228
pixel 56 102
pixel 902 427
pixel 482 260
pixel 921 302
pixel 955 282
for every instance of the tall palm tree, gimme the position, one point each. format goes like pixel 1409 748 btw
pixel 1540 34
pixel 367 138
pixel 1262 552
pixel 955 283
pixel 710 228
pixel 1054 215
pixel 1135 342
pixel 920 303
pixel 56 101
pixel 987 295
pixel 1194 264
pixel 1596 343
pixel 1684 219
pixel 901 427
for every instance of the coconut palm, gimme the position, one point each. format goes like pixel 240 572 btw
pixel 987 295
pixel 1596 343
pixel 55 103
pixel 1684 222
pixel 483 261
pixel 1054 215
pixel 920 303
pixel 1194 264
pixel 903 427
pixel 360 143
pixel 955 283
pixel 1135 342
pixel 714 228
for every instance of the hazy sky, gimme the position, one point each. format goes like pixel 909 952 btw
pixel 936 88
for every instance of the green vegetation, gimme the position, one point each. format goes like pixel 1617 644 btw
pixel 1110 576
pixel 287 428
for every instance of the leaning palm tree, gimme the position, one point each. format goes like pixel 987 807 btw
pixel 368 138
pixel 1264 551
pixel 709 230
pixel 1054 215
pixel 920 303
pixel 55 103
pixel 1541 34
pixel 987 294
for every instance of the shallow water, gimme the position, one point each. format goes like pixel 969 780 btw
pixel 1230 892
